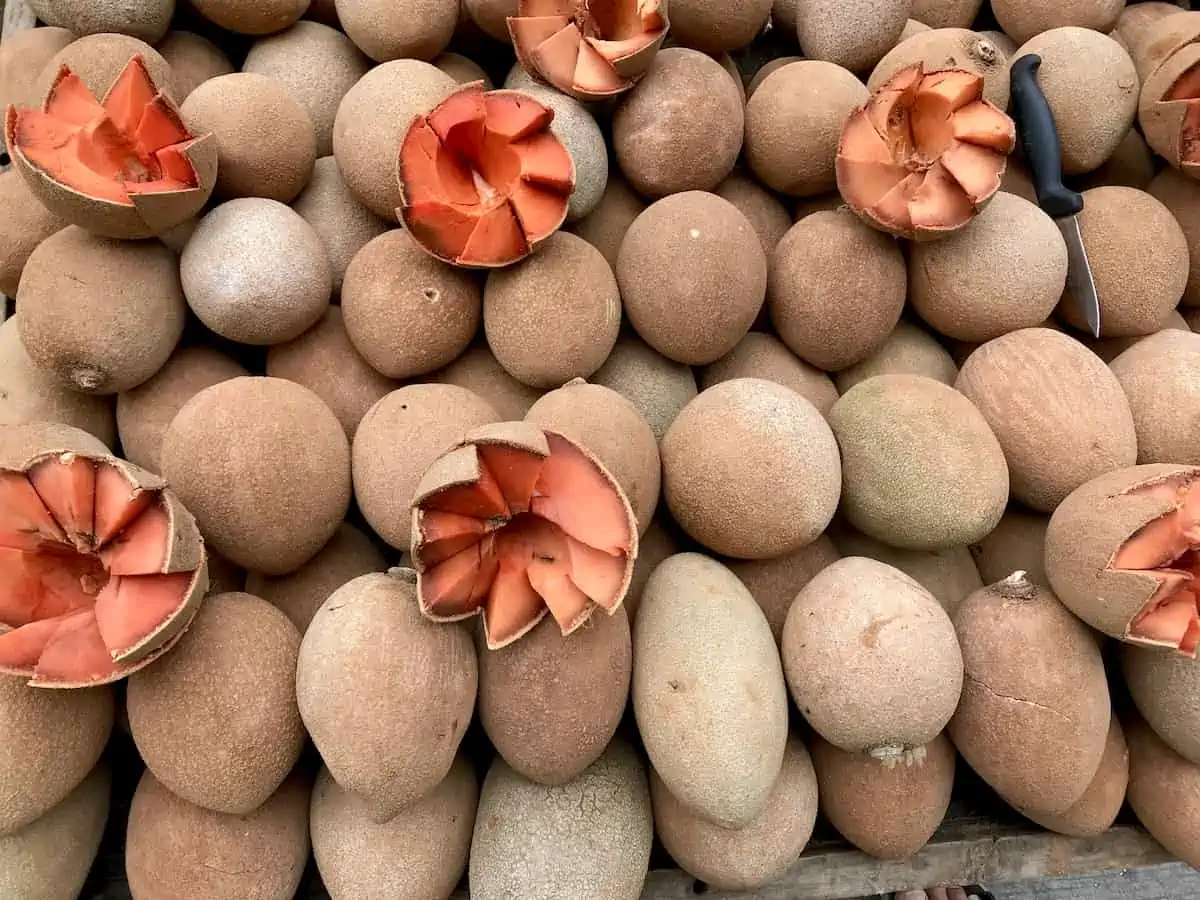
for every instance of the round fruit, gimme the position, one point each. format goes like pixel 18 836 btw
pixel 775 582
pixel 766 214
pixel 384 32
pixel 717 28
pixel 26 224
pixel 1023 19
pixel 909 350
pixel 1164 689
pixel 1016 544
pixel 1096 811
pixel 479 372
pixel 193 60
pixel 145 19
pixel 945 13
pixel 1161 377
pixel 950 48
pixel 254 17
pixel 1181 195
pixel 657 387
pixel 99 60
pixel 23 56
pixel 605 226
pixel 854 35
pixel 1163 787
pixel 762 355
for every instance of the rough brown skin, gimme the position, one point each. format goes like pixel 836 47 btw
pixel 1023 19
pixel 775 582
pixel 551 704
pixel 1138 27
pixel 265 468
pixel 51 857
pixel 1096 811
pixel 907 440
pixel 1161 377
pixel 1058 412
pixel 462 69
pixel 31 394
pixel 909 350
pixel 1016 544
pixel 234 674
pixel 680 129
pixel 871 660
pixel 658 387
pixel 22 58
pixel 26 224
pixel 836 289
pixel 317 64
pixel 324 360
pixel 589 837
pixel 762 355
pixel 98 59
pixel 855 34
pixel 480 372
pixel 555 317
pixel 420 853
pixel 1164 792
pixel 144 412
pixel 718 28
pixel 265 136
pixel 660 541
pixel 945 13
pixel 1016 272
pixel 950 48
pixel 1132 164
pixel 371 122
pixel 794 122
pixel 252 17
pixel 766 214
pixel 1032 723
pixel 176 849
pixel 144 19
pixel 751 469
pixel 1164 689
pixel 693 276
pixel 753 856
pixel 478 18
pixel 395 742
pixel 889 813
pixel 193 60
pixel 1109 349
pixel 1181 195
pixel 425 419
pixel 20 443
pixel 950 575
pixel 101 315
pixel 342 223
pixel 605 226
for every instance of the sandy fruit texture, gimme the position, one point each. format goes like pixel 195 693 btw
pixel 660 541
pixel 767 215
pixel 479 372
pixel 193 60
pixel 872 661
pixel 1161 377
pixel 1157 773
pixel 921 467
pixel 1181 195
pixel 605 226
pixel 22 58
pixel 1033 725
pixel 952 47
pixel 1163 687
pixel 1058 412
pixel 98 59
pixel 751 469
pixel 775 582
pixel 909 350
pixel 25 225
pixel 698 634
pixel 252 17
pixel 1096 811
pixel 854 35
pixel 423 676
pixel 1016 544
pixel 1023 19
pixel 762 355
pixel 657 387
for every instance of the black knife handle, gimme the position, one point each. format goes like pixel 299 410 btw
pixel 1039 140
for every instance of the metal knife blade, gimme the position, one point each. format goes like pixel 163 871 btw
pixel 1039 141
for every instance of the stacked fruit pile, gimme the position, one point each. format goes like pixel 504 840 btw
pixel 468 486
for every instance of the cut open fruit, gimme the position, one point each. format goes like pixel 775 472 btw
pixel 516 521
pixel 590 49
pixel 483 180
pixel 124 167
pixel 924 154
pixel 1169 110
pixel 101 569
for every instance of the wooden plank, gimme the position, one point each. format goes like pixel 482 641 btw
pixel 17 17
pixel 1166 882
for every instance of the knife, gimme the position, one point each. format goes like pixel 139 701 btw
pixel 1039 141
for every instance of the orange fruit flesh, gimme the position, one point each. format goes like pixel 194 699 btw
pixel 484 178
pixel 133 143
pixel 532 534
pixel 1167 549
pixel 925 150
pixel 1187 89
pixel 81 556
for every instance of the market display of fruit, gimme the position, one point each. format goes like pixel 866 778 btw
pixel 503 447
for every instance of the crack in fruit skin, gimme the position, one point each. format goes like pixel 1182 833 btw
pixel 101 569
pixel 515 522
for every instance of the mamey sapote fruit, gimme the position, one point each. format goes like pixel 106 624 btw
pixel 393 742
pixel 479 372
pixel 384 32
pixel 550 704
pixel 264 466
pixel 1181 195
pixel 871 660
pixel 1017 543
pixel 590 50
pixel 792 133
pixel 532 842
pixel 889 812
pixel 1119 551
pixel 964 286
pixel 23 55
pixel 1022 19
pixel 1033 724
pixel 234 673
pixel 680 129
pixel 29 393
pixel 193 60
pixel 1151 41
pixel 252 17
pixel 950 48
pixel 853 35
pixel 755 855
pixel 1166 106
pixel 698 634
pixel 69 727
pixel 175 848
pixel 99 60
pixel 660 541
pixel 145 19
pixel 908 444
pixel 420 854
pixel 265 138
pixel 1096 811
pixel 717 28
pixel 99 314
pixel 1163 687
pixel 515 521
pixel 1160 375
pixel 836 289
pixel 693 276
pixel 925 153
pixel 1058 412
pixel 762 355
pixel 908 350
pixel 945 13
pixel 775 582
pixel 483 180
pixel 1164 792
pixel 102 568
pixel 52 856
pixel 462 69
pixel 751 469
pixel 605 226
pixel 27 222
pixel 656 386
pixel 766 214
